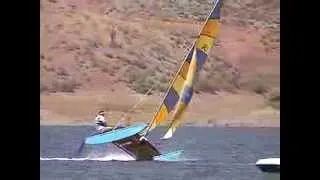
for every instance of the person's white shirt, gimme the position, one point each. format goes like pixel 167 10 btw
pixel 100 120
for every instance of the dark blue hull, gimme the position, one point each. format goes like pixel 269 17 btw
pixel 269 168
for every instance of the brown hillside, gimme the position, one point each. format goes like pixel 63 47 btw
pixel 128 46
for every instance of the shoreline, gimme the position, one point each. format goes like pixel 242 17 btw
pixel 223 125
pixel 223 110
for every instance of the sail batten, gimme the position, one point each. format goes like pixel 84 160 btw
pixel 180 90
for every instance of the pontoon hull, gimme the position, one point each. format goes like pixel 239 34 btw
pixel 140 150
pixel 143 150
pixel 270 168
pixel 131 142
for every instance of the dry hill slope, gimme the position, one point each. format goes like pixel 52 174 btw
pixel 93 50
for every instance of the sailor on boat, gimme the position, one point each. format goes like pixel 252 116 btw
pixel 101 123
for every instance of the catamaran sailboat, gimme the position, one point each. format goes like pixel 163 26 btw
pixel 132 139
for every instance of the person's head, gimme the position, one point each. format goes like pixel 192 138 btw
pixel 101 113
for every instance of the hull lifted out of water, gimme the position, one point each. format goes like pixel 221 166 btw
pixel 270 167
pixel 138 149
pixel 135 145
pixel 141 149
pixel 132 139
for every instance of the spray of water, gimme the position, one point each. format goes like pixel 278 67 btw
pixel 93 157
pixel 112 154
pixel 104 153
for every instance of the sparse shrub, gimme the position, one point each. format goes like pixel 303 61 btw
pixel 132 74
pixel 72 47
pixel 62 72
pixel 109 55
pixel 48 69
pixel 274 104
pixel 163 79
pixel 259 84
pixel 141 81
pixel 142 86
pixel 162 87
pixel 213 84
pixel 161 82
pixel 202 18
pixel 104 69
pixel 53 1
pixel 64 85
pixel 95 63
pixel 273 99
pixel 44 67
pixel 217 76
pixel 141 63
pixel 260 88
pixel 43 88
pixel 204 84
pixel 82 62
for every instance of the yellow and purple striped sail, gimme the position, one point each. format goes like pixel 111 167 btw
pixel 185 98
pixel 180 90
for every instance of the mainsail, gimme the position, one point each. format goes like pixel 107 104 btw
pixel 180 91
pixel 185 97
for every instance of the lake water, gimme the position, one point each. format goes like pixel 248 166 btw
pixel 210 153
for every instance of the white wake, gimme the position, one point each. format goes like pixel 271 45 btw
pixel 109 157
